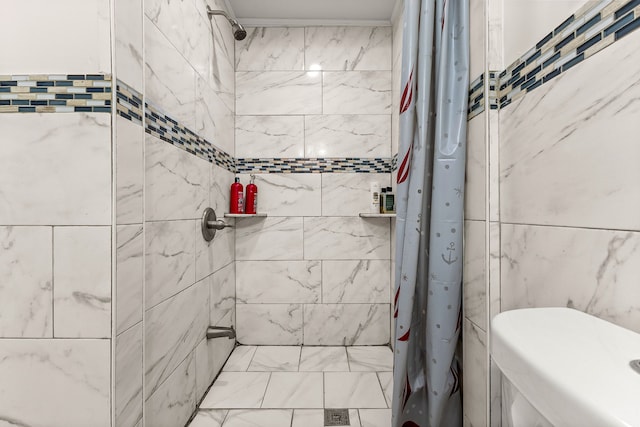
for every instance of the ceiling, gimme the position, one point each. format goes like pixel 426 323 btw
pixel 313 12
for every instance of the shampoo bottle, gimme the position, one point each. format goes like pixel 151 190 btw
pixel 375 198
pixel 251 203
pixel 237 200
pixel 390 201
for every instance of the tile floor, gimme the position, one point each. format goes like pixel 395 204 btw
pixel 290 387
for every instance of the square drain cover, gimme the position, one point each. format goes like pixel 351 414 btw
pixel 336 417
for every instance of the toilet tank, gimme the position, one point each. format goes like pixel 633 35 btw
pixel 573 368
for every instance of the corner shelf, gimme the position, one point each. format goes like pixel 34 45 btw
pixel 376 215
pixel 257 215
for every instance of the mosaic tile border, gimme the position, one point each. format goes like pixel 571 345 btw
pixel 581 35
pixel 169 130
pixel 128 102
pixel 314 165
pixel 55 93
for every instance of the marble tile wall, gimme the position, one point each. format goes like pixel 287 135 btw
pixel 55 216
pixel 313 272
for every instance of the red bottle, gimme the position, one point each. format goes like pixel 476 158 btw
pixel 237 200
pixel 251 206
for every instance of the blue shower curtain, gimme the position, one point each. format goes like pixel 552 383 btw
pixel 428 276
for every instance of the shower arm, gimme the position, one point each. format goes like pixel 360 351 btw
pixel 211 12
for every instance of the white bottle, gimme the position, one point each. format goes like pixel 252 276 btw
pixel 375 197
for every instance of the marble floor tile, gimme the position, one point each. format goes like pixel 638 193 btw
pixel 294 390
pixel 240 358
pixel 209 418
pixel 375 417
pixel 315 418
pixel 276 358
pixel 353 390
pixel 386 381
pixel 323 359
pixel 259 418
pixel 370 358
pixel 237 390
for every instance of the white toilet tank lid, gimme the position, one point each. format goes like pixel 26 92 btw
pixel 574 368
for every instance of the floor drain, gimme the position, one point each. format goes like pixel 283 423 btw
pixel 336 417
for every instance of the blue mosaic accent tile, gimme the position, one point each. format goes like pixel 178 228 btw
pixel 169 130
pixel 314 165
pixel 90 93
pixel 477 99
pixel 583 34
pixel 394 162
pixel 128 103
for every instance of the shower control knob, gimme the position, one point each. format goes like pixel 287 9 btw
pixel 211 224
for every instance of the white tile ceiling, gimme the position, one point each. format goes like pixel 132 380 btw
pixel 313 12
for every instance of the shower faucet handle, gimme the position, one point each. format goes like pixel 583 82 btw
pixel 210 224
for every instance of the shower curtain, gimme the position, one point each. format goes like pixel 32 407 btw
pixel 428 275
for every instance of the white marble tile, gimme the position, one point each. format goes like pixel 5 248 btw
pixel 269 324
pixel 353 390
pixel 223 297
pixel 278 92
pixel 34 372
pixel 73 152
pixel 129 171
pixel 294 390
pixel 495 255
pixel 315 418
pixel 269 136
pixel 356 92
pixel 559 173
pixel 176 182
pixel 347 136
pixel 289 194
pixel 129 377
pixel 169 260
pixel 346 238
pixel 209 418
pixel 35 55
pixel 213 255
pixel 594 271
pixel 240 358
pixel 26 287
pixel 348 48
pixel 495 35
pixel 204 369
pixel 174 402
pixel 278 281
pixel 218 353
pixel 270 49
pixel 475 176
pixel 348 194
pixel 276 358
pixel 173 329
pixel 359 281
pixel 82 278
pixel 169 79
pixel 129 276
pixel 475 373
pixel 237 390
pixel 370 358
pixel 221 61
pixel 269 239
pixel 219 192
pixel 323 359
pixel 214 120
pixel 477 37
pixel 386 381
pixel 128 42
pixel 259 418
pixel 346 324
pixel 375 417
pixel 474 279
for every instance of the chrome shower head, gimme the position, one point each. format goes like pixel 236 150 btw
pixel 239 33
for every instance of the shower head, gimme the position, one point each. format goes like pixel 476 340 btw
pixel 239 33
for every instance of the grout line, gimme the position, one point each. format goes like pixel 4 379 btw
pixel 265 390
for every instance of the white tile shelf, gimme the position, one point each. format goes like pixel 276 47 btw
pixel 257 215
pixel 376 215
